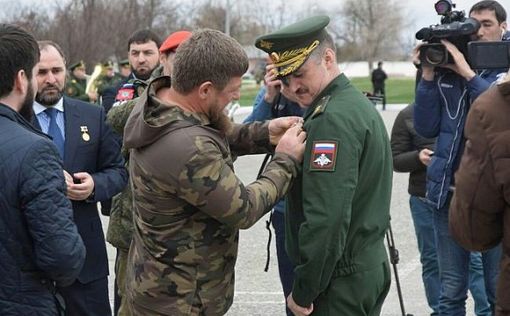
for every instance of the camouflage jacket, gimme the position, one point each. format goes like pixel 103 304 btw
pixel 75 88
pixel 120 226
pixel 189 206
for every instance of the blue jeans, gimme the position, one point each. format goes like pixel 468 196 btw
pixel 454 269
pixel 421 212
pixel 285 267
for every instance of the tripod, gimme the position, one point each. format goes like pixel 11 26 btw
pixel 394 259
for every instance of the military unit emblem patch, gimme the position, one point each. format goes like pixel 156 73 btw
pixel 127 92
pixel 323 156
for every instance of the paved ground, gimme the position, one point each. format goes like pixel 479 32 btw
pixel 259 292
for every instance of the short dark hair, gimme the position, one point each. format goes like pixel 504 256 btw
pixel 142 37
pixel 47 43
pixel 208 55
pixel 491 5
pixel 327 42
pixel 18 51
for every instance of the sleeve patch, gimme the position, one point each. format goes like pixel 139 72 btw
pixel 323 157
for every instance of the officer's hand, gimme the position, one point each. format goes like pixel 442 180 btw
pixel 460 65
pixel 427 70
pixel 92 96
pixel 83 189
pixel 298 310
pixel 272 84
pixel 425 155
pixel 292 142
pixel 278 126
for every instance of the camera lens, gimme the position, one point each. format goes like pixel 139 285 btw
pixel 435 55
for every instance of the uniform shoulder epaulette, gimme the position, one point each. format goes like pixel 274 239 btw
pixel 321 106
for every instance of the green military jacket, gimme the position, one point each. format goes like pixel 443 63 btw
pixel 338 207
pixel 75 88
pixel 104 82
pixel 189 206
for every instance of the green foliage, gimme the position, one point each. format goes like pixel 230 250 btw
pixel 398 90
pixel 249 91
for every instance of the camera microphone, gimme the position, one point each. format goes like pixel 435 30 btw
pixel 424 34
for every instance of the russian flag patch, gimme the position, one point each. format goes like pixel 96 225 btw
pixel 323 156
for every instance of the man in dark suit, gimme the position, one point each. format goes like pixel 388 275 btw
pixel 94 171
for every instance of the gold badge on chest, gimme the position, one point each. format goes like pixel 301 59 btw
pixel 85 133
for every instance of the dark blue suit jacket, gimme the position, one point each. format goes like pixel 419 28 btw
pixel 100 157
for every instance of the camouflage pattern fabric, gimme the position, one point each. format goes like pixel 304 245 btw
pixel 75 88
pixel 120 278
pixel 120 226
pixel 189 206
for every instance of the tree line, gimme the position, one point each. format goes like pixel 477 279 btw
pixel 97 30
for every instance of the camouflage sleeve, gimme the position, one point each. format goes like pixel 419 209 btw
pixel 251 138
pixel 210 184
pixel 118 115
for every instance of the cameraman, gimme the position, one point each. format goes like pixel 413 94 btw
pixel 443 99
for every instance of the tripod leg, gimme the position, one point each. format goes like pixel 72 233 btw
pixel 394 259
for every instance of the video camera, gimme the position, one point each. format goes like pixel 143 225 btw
pixel 458 29
pixel 454 27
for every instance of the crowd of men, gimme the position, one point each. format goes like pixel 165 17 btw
pixel 155 148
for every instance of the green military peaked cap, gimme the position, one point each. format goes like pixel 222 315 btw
pixel 291 46
pixel 108 64
pixel 124 62
pixel 77 64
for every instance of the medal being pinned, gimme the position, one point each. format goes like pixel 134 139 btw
pixel 85 133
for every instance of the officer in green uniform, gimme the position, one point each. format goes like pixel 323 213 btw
pixel 76 84
pixel 124 68
pixel 108 81
pixel 339 204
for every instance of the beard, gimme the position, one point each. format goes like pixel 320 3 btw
pixel 27 110
pixel 49 95
pixel 220 121
pixel 142 75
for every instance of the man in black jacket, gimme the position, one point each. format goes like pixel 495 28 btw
pixel 412 153
pixel 39 243
pixel 378 77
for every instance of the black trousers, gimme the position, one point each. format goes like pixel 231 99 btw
pixel 89 299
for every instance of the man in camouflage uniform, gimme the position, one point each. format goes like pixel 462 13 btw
pixel 120 227
pixel 189 204
pixel 76 84
pixel 124 68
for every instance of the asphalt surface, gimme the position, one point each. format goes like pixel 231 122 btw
pixel 259 293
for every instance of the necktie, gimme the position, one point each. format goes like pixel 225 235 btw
pixel 54 131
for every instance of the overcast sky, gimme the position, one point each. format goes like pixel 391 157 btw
pixel 420 12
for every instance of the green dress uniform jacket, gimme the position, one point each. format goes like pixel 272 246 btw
pixel 340 204
pixel 189 206
pixel 76 88
pixel 104 82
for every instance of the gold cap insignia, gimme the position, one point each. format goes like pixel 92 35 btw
pixel 291 60
pixel 265 44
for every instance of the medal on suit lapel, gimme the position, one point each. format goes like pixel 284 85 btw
pixel 84 133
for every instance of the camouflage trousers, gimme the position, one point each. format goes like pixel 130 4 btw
pixel 120 275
